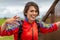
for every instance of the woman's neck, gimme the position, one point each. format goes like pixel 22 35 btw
pixel 30 21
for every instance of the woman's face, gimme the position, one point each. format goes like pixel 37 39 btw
pixel 31 13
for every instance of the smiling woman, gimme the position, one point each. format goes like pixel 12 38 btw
pixel 30 27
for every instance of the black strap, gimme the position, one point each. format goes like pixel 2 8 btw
pixel 20 30
pixel 37 21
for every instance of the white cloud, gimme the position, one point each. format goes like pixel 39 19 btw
pixel 15 9
pixel 12 9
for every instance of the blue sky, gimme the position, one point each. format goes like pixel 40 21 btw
pixel 10 8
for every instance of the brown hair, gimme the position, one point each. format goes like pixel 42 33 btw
pixel 30 4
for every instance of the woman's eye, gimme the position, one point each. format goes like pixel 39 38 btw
pixel 31 10
pixel 36 11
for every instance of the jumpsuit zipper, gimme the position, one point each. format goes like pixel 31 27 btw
pixel 32 33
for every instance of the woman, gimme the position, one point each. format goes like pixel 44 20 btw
pixel 29 26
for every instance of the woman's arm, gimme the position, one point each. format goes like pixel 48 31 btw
pixel 46 28
pixel 12 30
pixel 58 24
pixel 9 31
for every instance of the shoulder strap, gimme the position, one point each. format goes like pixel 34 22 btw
pixel 37 21
pixel 20 30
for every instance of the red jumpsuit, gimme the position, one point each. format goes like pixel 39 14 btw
pixel 30 31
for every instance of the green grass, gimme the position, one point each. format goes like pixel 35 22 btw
pixel 2 21
pixel 5 37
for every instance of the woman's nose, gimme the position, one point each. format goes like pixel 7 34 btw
pixel 34 12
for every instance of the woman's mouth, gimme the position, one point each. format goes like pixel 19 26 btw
pixel 33 17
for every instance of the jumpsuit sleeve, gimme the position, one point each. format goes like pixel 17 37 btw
pixel 9 31
pixel 46 28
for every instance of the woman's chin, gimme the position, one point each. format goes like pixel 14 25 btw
pixel 32 19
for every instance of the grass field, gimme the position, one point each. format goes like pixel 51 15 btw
pixel 2 21
pixel 5 37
